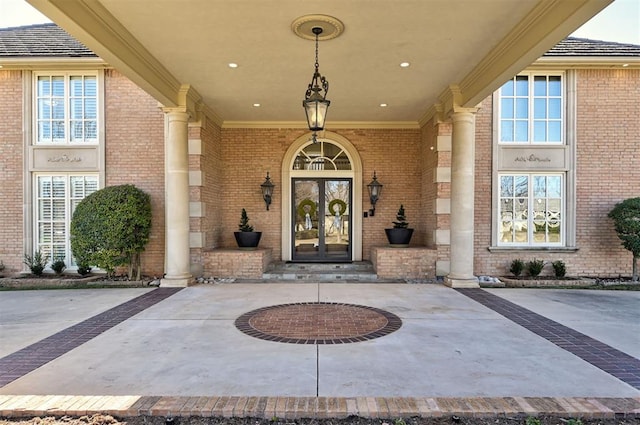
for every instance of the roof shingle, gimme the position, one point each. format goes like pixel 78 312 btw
pixel 40 40
pixel 572 46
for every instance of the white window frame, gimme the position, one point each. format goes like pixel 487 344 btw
pixel 531 101
pixel 69 207
pixel 527 222
pixel 66 98
pixel 504 155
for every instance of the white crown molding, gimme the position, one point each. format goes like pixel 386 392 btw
pixel 576 62
pixel 334 125
pixel 49 63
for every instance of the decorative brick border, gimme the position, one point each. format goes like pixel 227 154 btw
pixel 615 362
pixel 279 331
pixel 18 364
pixel 287 408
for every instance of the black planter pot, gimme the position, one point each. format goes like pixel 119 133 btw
pixel 247 240
pixel 399 238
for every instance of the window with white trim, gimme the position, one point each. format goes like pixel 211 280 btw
pixel 531 108
pixel 56 198
pixel 66 108
pixel 531 209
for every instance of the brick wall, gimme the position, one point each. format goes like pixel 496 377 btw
pixel 134 137
pixel 607 172
pixel 408 263
pixel 245 264
pixel 428 162
pixel 247 155
pixel 607 168
pixel 11 166
pixel 234 163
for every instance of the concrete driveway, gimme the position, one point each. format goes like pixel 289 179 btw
pixel 449 344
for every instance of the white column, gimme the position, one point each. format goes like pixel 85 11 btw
pixel 462 199
pixel 176 199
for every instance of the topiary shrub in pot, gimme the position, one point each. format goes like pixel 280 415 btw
pixel 246 238
pixel 400 235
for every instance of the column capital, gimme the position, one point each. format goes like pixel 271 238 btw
pixel 189 101
pixel 451 101
pixel 457 110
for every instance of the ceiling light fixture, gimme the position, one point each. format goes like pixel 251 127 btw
pixel 233 65
pixel 315 104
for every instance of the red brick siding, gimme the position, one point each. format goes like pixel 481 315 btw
pixel 134 137
pixel 247 154
pixel 429 161
pixel 11 170
pixel 606 173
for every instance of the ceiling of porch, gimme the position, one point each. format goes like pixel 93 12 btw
pixel 474 45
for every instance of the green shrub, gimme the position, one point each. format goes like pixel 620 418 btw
pixel 626 220
pixel 402 222
pixel 559 269
pixel 517 266
pixel 244 225
pixel 36 262
pixel 111 227
pixel 84 269
pixel 534 267
pixel 58 266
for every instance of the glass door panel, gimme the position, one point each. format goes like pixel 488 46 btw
pixel 336 216
pixel 306 225
pixel 322 228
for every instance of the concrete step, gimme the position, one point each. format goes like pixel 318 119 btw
pixel 360 271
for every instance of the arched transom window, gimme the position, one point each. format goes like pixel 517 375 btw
pixel 320 156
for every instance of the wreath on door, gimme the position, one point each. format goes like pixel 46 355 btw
pixel 302 212
pixel 342 207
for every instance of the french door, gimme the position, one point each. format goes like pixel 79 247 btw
pixel 321 211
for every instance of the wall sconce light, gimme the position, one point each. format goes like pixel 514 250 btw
pixel 375 189
pixel 267 190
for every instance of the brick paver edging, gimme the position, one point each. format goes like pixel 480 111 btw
pixel 16 406
pixel 615 362
pixel 28 359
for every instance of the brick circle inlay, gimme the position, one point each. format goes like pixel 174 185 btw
pixel 318 323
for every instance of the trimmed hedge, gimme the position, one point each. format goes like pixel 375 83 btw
pixel 626 220
pixel 111 227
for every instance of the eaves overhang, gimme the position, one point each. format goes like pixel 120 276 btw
pixel 36 63
pixel 577 62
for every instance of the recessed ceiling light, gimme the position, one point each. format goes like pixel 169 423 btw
pixel 383 105
pixel 404 64
pixel 256 105
pixel 233 65
pixel 624 65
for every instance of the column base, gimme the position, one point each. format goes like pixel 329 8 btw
pixel 176 281
pixel 454 282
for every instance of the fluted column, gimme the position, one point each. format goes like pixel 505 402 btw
pixel 176 199
pixel 462 199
